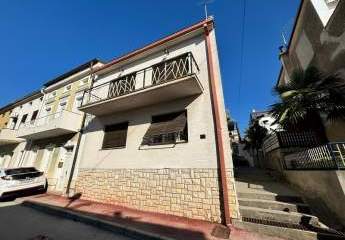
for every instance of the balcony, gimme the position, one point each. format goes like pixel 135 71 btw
pixel 172 79
pixel 8 136
pixel 284 139
pixel 52 125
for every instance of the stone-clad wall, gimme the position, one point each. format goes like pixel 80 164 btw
pixel 192 193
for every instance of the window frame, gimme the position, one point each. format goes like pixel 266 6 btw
pixel 67 88
pixel 105 132
pixel 176 141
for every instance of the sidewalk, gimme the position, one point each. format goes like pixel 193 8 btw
pixel 167 226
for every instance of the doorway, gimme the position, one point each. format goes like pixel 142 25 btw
pixel 62 168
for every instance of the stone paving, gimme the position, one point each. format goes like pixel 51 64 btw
pixel 170 226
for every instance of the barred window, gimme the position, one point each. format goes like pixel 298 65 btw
pixel 115 136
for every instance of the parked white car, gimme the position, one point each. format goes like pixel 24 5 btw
pixel 14 181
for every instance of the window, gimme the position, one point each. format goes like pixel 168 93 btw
pixel 115 136
pixel 77 101
pixel 13 122
pixel 68 88
pixel 83 82
pixel 331 2
pixel 24 118
pixel 167 129
pixel 34 115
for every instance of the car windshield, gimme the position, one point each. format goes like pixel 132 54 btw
pixel 16 171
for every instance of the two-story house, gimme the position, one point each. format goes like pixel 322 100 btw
pixel 51 137
pixel 158 140
pixel 20 112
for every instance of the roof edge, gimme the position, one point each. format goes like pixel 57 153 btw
pixel 25 97
pixel 72 72
pixel 170 37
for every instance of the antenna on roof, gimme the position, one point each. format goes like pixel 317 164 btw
pixel 286 30
pixel 205 3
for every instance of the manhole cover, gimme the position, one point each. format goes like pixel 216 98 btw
pixel 221 231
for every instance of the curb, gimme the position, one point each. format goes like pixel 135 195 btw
pixel 96 222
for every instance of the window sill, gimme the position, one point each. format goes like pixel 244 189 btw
pixel 50 100
pixel 65 94
pixel 161 145
pixel 112 148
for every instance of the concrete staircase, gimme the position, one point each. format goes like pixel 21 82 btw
pixel 269 206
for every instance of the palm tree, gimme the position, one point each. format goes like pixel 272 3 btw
pixel 308 100
pixel 254 137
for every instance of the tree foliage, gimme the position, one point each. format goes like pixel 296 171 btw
pixel 309 97
pixel 255 135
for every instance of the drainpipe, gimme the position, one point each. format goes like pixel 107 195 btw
pixel 217 124
pixel 80 133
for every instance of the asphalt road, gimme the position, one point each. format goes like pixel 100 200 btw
pixel 18 222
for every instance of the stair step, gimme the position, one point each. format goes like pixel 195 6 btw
pixel 271 197
pixel 278 216
pixel 274 205
pixel 286 232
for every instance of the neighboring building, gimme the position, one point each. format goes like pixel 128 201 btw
pixel 20 112
pixel 53 130
pixel 4 116
pixel 265 119
pixel 317 39
pixel 147 130
pixel 152 144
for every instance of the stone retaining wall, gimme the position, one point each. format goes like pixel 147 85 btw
pixel 192 193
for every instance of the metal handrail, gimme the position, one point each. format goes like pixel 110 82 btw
pixel 124 85
pixel 330 156
pixel 285 139
pixel 33 123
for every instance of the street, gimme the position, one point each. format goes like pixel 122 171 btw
pixel 18 222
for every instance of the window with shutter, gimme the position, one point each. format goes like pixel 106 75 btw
pixel 115 136
pixel 167 129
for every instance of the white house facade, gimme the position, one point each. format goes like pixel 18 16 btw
pixel 158 140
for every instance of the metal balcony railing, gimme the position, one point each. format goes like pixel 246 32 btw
pixel 284 139
pixel 326 157
pixel 46 120
pixel 169 70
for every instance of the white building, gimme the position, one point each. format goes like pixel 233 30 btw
pixel 265 119
pixel 152 143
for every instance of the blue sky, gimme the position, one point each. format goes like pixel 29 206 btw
pixel 42 39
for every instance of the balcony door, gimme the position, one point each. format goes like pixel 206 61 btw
pixel 77 101
pixel 61 107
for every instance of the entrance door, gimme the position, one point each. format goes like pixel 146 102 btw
pixel 46 159
pixel 20 159
pixel 31 158
pixel 7 161
pixel 62 171
pixel 2 160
